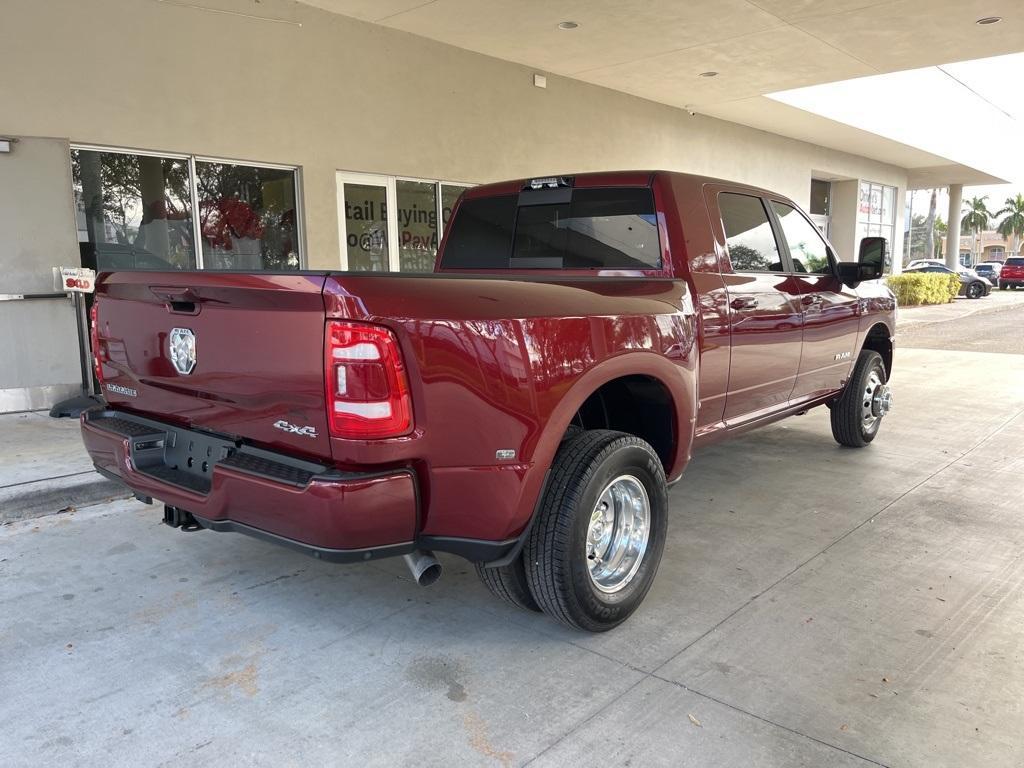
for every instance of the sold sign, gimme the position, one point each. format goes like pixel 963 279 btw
pixel 78 279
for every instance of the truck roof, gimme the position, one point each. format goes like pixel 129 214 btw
pixel 640 178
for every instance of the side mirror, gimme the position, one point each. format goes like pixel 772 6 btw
pixel 870 263
pixel 872 257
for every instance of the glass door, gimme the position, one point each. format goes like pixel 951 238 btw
pixel 390 223
pixel 417 224
pixel 821 205
pixel 366 228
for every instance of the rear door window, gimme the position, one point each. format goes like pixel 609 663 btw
pixel 598 228
pixel 748 234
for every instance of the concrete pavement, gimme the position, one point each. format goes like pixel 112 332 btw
pixel 959 308
pixel 996 329
pixel 44 470
pixel 815 606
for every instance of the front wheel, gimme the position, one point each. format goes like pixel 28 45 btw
pixel 974 291
pixel 857 414
pixel 600 531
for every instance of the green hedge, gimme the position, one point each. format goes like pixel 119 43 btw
pixel 924 288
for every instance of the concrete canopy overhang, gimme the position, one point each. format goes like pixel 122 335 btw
pixel 658 49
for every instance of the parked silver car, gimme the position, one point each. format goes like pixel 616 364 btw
pixel 971 284
pixel 989 270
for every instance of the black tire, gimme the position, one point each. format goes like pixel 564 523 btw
pixel 846 416
pixel 974 290
pixel 1002 287
pixel 557 566
pixel 508 582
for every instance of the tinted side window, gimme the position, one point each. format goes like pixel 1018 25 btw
pixel 481 235
pixel 806 247
pixel 748 234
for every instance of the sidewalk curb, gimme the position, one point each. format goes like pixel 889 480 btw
pixel 51 496
pixel 903 320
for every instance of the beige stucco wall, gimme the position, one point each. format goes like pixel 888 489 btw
pixel 338 94
pixel 38 338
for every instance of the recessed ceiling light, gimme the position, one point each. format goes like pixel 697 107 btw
pixel 708 74
pixel 567 25
pixel 989 20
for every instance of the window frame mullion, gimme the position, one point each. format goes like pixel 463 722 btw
pixel 197 228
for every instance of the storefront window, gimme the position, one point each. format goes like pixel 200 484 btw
pixel 417 225
pixel 366 227
pixel 449 196
pixel 374 239
pixel 133 211
pixel 247 217
pixel 876 212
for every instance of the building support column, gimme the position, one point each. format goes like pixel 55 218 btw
pixel 956 197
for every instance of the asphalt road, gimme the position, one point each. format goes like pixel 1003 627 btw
pixel 998 330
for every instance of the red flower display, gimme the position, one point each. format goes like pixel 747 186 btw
pixel 228 219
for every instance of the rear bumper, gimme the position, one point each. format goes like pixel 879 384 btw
pixel 333 515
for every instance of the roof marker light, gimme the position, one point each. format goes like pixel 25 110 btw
pixel 551 182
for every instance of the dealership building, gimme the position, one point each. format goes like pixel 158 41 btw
pixel 337 134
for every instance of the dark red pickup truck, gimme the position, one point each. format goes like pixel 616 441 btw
pixel 525 407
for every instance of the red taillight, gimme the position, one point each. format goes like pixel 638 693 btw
pixel 367 389
pixel 94 338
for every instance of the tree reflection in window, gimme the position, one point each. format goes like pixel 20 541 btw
pixel 247 217
pixel 806 246
pixel 133 211
pixel 747 259
pixel 748 234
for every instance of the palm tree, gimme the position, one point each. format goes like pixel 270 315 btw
pixel 1013 224
pixel 929 225
pixel 976 220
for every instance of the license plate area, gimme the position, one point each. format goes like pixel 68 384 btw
pixel 186 458
pixel 181 457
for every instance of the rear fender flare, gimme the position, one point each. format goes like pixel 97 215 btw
pixel 679 378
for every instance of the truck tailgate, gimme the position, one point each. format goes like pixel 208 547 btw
pixel 258 370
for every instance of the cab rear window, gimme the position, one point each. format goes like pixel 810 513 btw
pixel 1013 261
pixel 598 228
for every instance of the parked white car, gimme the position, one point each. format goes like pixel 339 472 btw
pixel 918 263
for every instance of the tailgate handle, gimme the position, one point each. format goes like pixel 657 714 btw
pixel 179 300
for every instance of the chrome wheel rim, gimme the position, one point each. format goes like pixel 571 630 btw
pixel 876 401
pixel 617 533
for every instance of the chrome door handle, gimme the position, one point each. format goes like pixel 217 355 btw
pixel 744 302
pixel 812 299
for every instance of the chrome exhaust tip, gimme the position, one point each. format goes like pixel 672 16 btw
pixel 423 566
